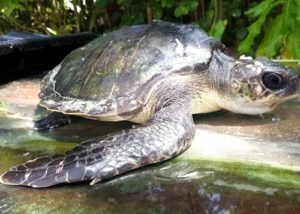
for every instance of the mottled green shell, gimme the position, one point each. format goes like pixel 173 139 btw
pixel 115 73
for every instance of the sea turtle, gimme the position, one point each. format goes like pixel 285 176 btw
pixel 157 75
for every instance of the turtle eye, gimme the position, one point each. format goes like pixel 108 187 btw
pixel 272 80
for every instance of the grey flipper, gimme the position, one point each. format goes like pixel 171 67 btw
pixel 166 135
pixel 53 120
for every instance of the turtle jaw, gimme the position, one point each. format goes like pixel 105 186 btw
pixel 253 107
pixel 239 107
pixel 292 91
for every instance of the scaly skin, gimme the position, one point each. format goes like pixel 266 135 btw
pixel 53 120
pixel 168 133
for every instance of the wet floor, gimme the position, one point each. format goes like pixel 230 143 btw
pixel 237 164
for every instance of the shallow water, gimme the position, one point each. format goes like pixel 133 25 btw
pixel 237 164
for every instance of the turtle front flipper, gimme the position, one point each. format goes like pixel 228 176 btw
pixel 53 120
pixel 167 134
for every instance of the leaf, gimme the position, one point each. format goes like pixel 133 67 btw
pixel 277 29
pixel 167 3
pixel 218 29
pixel 253 31
pixel 293 43
pixel 255 28
pixel 9 6
pixel 51 31
pixel 293 37
pixel 259 9
pixel 92 20
pixel 181 11
pixel 272 38
pixel 184 7
pixel 156 10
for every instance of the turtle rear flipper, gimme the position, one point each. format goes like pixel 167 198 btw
pixel 53 120
pixel 166 135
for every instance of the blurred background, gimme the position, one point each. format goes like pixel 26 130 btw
pixel 257 27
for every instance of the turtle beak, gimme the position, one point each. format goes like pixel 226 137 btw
pixel 294 87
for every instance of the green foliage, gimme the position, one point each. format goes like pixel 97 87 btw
pixel 256 27
pixel 218 29
pixel 185 7
pixel 10 5
pixel 276 27
pixel 260 12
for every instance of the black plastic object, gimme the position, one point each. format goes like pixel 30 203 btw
pixel 23 54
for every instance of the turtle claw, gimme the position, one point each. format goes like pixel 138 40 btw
pixel 96 180
pixel 53 120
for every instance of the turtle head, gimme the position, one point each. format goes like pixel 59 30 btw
pixel 257 86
